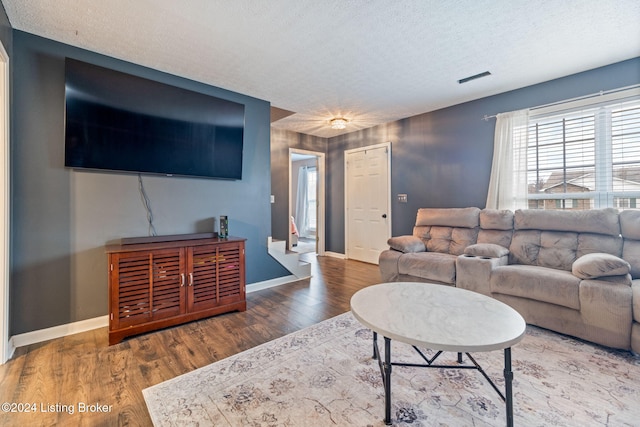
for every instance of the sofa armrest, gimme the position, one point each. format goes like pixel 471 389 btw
pixel 407 244
pixel 600 265
pixel 388 265
pixel 486 250
pixel 474 272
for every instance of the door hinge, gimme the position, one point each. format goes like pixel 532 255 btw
pixel 111 316
pixel 111 267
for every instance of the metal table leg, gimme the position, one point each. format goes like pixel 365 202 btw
pixel 375 345
pixel 386 367
pixel 387 381
pixel 508 379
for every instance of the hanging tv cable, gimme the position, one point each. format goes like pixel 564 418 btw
pixel 147 205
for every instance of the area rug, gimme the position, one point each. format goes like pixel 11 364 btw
pixel 324 376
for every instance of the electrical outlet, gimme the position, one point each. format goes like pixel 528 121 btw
pixel 402 198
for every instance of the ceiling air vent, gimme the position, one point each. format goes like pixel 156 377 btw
pixel 477 76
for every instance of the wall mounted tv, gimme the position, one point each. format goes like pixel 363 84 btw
pixel 120 122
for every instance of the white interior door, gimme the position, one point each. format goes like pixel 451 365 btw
pixel 5 348
pixel 367 202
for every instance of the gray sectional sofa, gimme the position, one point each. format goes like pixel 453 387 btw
pixel 574 272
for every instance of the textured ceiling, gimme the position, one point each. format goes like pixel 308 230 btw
pixel 371 61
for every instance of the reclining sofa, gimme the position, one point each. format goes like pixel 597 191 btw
pixel 573 272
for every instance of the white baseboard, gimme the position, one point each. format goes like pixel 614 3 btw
pixel 258 286
pixel 60 331
pixel 335 255
pixel 10 349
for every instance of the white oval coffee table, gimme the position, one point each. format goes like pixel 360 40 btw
pixel 442 318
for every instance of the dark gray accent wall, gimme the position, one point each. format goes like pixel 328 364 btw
pixel 61 218
pixel 281 141
pixel 443 158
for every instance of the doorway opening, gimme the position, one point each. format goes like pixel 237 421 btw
pixel 306 201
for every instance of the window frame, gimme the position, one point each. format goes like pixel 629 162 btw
pixel 601 107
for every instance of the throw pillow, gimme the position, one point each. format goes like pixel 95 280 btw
pixel 595 265
pixel 406 244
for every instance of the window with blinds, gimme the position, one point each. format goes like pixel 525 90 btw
pixel 585 159
pixel 312 186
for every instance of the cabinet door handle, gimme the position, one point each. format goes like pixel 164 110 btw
pixel 181 279
pixel 190 279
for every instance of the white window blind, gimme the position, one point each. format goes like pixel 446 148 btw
pixel 585 157
pixel 625 162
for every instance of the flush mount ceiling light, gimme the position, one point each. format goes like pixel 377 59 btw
pixel 338 123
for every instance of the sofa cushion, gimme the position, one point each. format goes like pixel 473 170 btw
pixel 429 265
pixel 447 231
pixel 558 249
pixel 594 243
pixel 537 283
pixel 496 227
pixel 630 228
pixel 446 240
pixel 494 219
pixel 630 224
pixel 525 247
pixel 496 237
pixel 451 217
pixel 595 265
pixel 599 221
pixel 406 244
pixel 552 249
pixel 440 239
pixel 635 288
pixel 631 254
pixel 487 250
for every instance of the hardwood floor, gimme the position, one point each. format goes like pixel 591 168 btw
pixel 55 378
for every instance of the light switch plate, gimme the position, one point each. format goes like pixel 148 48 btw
pixel 402 198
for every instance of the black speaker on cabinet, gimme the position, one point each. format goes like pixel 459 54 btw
pixel 224 227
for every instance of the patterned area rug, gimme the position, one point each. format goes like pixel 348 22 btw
pixel 324 376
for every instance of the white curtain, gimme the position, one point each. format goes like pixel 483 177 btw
pixel 302 215
pixel 508 183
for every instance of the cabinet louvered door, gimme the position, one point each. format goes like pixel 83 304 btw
pixel 230 273
pixel 214 276
pixel 203 284
pixel 131 296
pixel 167 284
pixel 149 286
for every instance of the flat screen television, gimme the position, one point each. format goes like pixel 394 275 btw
pixel 120 122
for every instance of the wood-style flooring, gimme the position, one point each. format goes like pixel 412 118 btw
pixel 57 377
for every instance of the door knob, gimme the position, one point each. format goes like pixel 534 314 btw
pixel 384 215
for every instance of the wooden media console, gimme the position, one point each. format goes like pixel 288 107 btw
pixel 156 282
